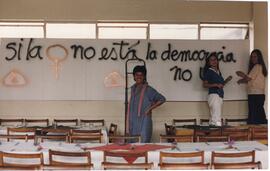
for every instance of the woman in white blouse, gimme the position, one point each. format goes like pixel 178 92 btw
pixel 255 80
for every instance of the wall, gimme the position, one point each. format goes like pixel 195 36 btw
pixel 97 10
pixel 150 10
pixel 260 20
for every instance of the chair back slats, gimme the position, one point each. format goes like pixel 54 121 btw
pixel 213 138
pixel 68 162
pixel 184 132
pixel 237 134
pixel 242 154
pixel 28 132
pixel 251 165
pixel 184 121
pixel 235 165
pixel 176 138
pixel 37 121
pixel 182 165
pixel 3 121
pixel 186 166
pixel 38 157
pixel 21 130
pixel 96 122
pixel 8 137
pixel 259 133
pixel 82 132
pixel 236 121
pixel 199 154
pixel 54 134
pixel 65 121
pixel 71 154
pixel 85 135
pixel 107 164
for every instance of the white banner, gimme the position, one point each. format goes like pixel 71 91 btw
pixel 70 69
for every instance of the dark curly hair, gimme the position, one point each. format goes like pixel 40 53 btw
pixel 207 63
pixel 142 69
pixel 260 61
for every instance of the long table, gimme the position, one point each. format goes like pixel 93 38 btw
pixel 153 155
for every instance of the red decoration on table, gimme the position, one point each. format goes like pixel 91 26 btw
pixel 130 148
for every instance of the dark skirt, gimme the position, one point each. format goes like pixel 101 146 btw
pixel 256 113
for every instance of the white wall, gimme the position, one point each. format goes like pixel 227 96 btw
pixel 123 10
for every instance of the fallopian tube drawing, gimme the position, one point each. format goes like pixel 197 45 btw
pixel 56 59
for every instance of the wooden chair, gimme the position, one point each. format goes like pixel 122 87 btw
pixel 97 122
pixel 29 132
pixel 8 137
pixel 85 135
pixel 259 134
pixel 198 165
pixel 177 138
pixel 20 161
pixel 213 138
pixel 54 134
pixel 236 122
pixel 186 134
pixel 36 122
pixel 169 130
pixel 235 157
pixel 11 121
pixel 237 134
pixel 124 139
pixel 107 164
pixel 57 122
pixel 177 122
pixel 113 129
pixel 67 158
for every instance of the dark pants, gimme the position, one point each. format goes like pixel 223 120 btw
pixel 256 113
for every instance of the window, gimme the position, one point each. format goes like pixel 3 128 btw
pixel 69 30
pixel 224 31
pixel 122 30
pixel 173 31
pixel 140 30
pixel 21 30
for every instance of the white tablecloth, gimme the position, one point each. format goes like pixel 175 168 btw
pixel 153 156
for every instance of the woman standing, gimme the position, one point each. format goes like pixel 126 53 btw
pixel 255 80
pixel 143 100
pixel 214 81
